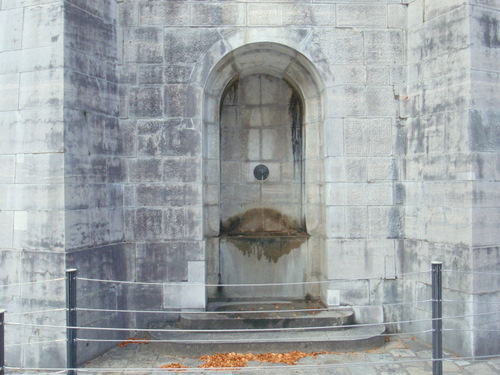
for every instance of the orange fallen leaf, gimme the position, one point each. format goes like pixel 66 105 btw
pixel 133 340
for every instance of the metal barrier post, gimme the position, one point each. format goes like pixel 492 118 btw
pixel 71 320
pixel 2 342
pixel 437 315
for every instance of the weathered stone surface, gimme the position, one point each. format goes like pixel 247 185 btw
pixel 145 102
pixel 101 109
pixel 187 45
pixel 361 15
pixel 143 45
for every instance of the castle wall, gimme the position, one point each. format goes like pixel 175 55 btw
pixel 449 168
pixel 484 125
pixel 32 174
pixel 110 153
pixel 94 170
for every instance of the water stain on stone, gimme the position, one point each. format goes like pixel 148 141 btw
pixel 270 248
pixel 261 221
pixel 264 233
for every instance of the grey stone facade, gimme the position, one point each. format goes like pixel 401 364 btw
pixel 112 158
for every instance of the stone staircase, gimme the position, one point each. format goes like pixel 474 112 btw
pixel 291 325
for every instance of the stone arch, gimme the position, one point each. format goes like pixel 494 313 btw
pixel 299 72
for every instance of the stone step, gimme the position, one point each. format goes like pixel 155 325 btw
pixel 293 325
pixel 267 315
pixel 200 343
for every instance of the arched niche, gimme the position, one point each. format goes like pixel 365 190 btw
pixel 279 63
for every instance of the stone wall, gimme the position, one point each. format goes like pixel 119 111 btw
pixel 32 173
pixel 484 128
pixel 95 171
pixel 450 163
pixel 110 152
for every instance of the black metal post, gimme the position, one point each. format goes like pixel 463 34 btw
pixel 2 342
pixel 437 315
pixel 71 320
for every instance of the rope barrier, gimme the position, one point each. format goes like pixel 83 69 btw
pixel 471 302
pixel 32 282
pixel 242 330
pixel 221 312
pixel 34 312
pixel 34 343
pixel 242 341
pixel 240 285
pixel 474 272
pixel 471 330
pixel 168 330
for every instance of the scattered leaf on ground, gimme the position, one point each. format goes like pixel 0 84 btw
pixel 133 340
pixel 240 360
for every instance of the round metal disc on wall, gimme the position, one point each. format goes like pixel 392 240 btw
pixel 261 172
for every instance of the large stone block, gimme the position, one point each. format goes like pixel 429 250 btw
pixel 7 168
pixel 386 222
pixel 146 224
pixel 177 74
pixel 335 222
pixel 484 128
pixel 144 170
pixel 334 169
pixel 43 25
pixel 188 44
pixel 99 226
pixel 441 8
pixel 145 102
pixel 77 229
pixel 335 194
pixel 6 232
pixel 43 265
pixel 168 195
pixel 174 220
pixel 168 138
pixel 9 92
pixel 440 35
pixel 264 15
pixel 39 168
pixel 11 32
pixel 367 137
pixel 32 197
pixel 161 13
pixel 182 101
pixel 382 168
pixel 355 169
pixel 91 94
pixel 10 62
pixel 226 14
pixel 368 194
pixel 88 32
pixel 362 15
pixel 384 46
pixel 150 75
pixel 484 90
pixel 397 16
pixel 342 46
pixel 143 45
pixel 182 170
pixel 305 14
pixel 351 292
pixel 485 222
pixel 382 101
pixel 356 222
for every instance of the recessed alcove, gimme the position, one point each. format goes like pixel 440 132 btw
pixel 262 108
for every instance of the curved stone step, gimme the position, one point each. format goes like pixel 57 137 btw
pixel 338 339
pixel 270 316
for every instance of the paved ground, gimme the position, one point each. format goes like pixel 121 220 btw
pixel 401 355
